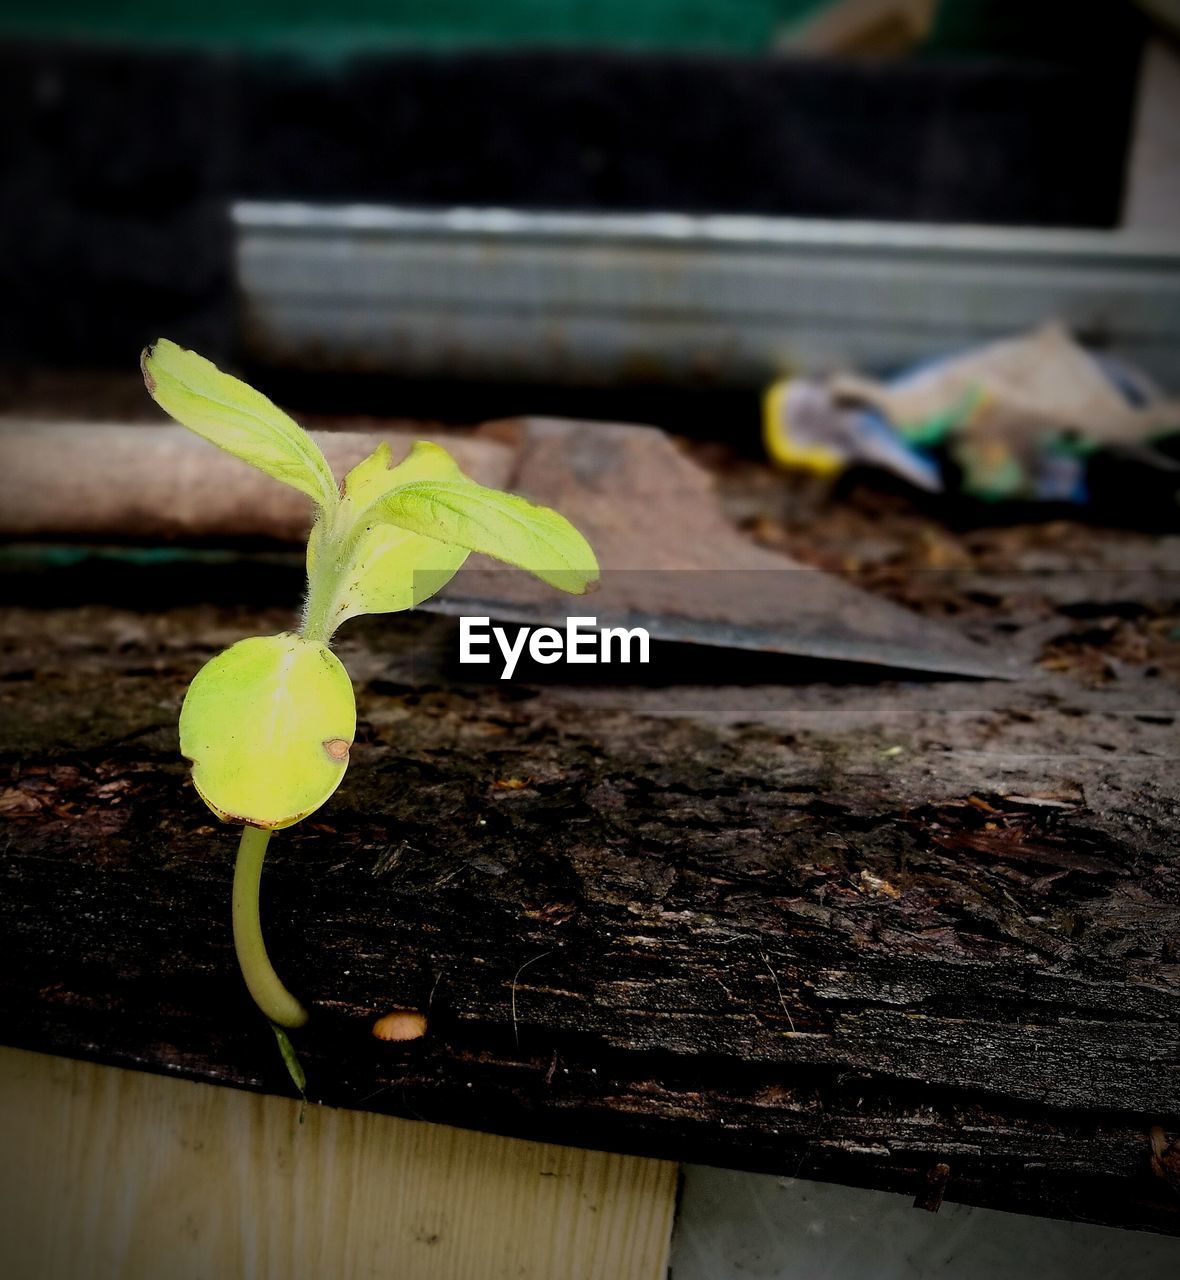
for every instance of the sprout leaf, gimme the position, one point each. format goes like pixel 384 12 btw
pixel 236 418
pixel 500 525
pixel 267 725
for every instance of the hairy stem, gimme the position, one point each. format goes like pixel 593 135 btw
pixel 269 994
pixel 323 580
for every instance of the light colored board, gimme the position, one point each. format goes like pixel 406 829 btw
pixel 108 1174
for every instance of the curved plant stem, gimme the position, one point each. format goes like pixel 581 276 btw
pixel 279 1005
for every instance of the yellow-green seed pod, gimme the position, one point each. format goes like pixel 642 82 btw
pixel 268 725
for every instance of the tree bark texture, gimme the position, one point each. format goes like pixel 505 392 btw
pixel 842 930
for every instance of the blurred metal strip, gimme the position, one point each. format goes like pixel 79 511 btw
pixel 610 298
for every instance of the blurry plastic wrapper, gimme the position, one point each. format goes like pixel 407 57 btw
pixel 1019 419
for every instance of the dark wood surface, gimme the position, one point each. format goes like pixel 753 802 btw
pixel 826 927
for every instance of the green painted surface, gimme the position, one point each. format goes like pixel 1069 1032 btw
pixel 327 28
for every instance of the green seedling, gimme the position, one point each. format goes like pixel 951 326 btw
pixel 268 724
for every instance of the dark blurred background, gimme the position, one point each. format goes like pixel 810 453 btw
pixel 131 129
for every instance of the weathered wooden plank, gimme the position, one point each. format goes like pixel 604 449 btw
pixel 847 932
pixel 121 1175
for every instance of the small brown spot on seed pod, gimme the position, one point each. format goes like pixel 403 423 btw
pixel 402 1024
pixel 337 748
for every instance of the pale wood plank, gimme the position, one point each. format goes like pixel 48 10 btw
pixel 106 1174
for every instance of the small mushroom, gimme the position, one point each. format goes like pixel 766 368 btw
pixel 402 1024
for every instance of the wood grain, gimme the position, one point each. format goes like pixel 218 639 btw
pixel 120 1175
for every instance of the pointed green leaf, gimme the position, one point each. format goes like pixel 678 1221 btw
pixel 236 418
pixel 369 479
pixel 392 569
pixel 267 725
pixel 497 524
